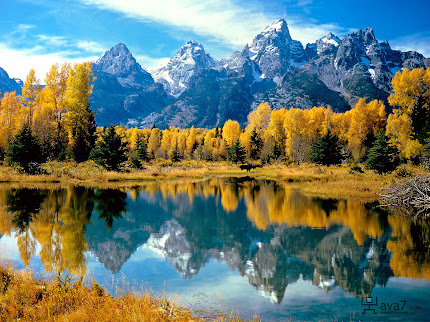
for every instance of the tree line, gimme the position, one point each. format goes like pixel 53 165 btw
pixel 55 122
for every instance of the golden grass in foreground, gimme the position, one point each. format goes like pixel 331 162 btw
pixel 333 181
pixel 22 297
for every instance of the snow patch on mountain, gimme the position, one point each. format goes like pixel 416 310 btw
pixel 178 72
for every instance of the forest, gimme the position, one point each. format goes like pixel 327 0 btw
pixel 55 122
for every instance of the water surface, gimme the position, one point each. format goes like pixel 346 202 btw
pixel 253 245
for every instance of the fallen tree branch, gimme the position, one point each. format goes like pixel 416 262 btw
pixel 410 197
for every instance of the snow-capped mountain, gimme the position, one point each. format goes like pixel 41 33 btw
pixel 275 68
pixel 275 52
pixel 123 90
pixel 195 89
pixel 177 73
pixel 119 62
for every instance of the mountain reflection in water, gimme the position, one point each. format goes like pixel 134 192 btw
pixel 270 233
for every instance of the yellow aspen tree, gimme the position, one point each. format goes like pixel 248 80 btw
pixel 319 121
pixel 154 142
pixel 79 119
pixel 209 145
pixel 411 94
pixel 10 118
pixel 30 90
pixel 191 141
pixel 259 119
pixel 340 123
pixel 297 142
pixel 366 119
pixel 44 123
pixel 409 88
pixel 134 137
pixel 274 138
pixel 181 139
pixel 53 103
pixel 399 129
pixel 167 142
pixel 231 132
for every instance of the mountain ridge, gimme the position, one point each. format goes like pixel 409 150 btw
pixel 193 88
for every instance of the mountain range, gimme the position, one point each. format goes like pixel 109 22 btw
pixel 193 88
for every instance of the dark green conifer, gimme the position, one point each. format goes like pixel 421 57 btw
pixel 382 157
pixel 25 151
pixel 175 156
pixel 110 151
pixel 256 145
pixel 326 150
pixel 236 153
pixel 142 150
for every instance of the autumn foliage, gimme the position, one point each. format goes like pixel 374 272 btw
pixel 61 119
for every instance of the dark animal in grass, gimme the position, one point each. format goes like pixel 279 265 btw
pixel 247 167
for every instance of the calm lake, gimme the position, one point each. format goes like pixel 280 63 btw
pixel 255 246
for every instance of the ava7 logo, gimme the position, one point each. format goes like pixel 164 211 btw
pixel 371 307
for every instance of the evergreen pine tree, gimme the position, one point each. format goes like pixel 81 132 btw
pixel 25 151
pixel 84 137
pixel 110 151
pixel 256 145
pixel 326 150
pixel 382 157
pixel 175 156
pixel 142 150
pixel 236 153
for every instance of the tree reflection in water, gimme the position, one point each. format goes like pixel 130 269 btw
pixel 270 233
pixel 110 204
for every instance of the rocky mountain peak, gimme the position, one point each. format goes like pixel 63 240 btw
pixel 328 42
pixel 177 73
pixel 119 62
pixel 193 53
pixel 369 37
pixel 385 45
pixel 271 51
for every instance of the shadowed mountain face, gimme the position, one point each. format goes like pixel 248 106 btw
pixel 8 84
pixel 123 91
pixel 271 234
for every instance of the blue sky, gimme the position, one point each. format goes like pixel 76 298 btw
pixel 35 34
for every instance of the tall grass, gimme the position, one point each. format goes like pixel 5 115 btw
pixel 333 181
pixel 26 298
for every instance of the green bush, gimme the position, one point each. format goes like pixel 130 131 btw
pixel 25 151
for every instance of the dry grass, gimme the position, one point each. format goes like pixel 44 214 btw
pixel 25 298
pixel 334 181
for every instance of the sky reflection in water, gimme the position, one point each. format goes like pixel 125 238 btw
pixel 253 244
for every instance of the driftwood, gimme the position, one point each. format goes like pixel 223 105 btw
pixel 410 197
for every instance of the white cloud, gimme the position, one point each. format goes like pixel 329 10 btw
pixel 52 40
pixel 18 62
pixel 415 42
pixel 309 32
pixel 223 21
pixel 90 46
pixel 150 63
